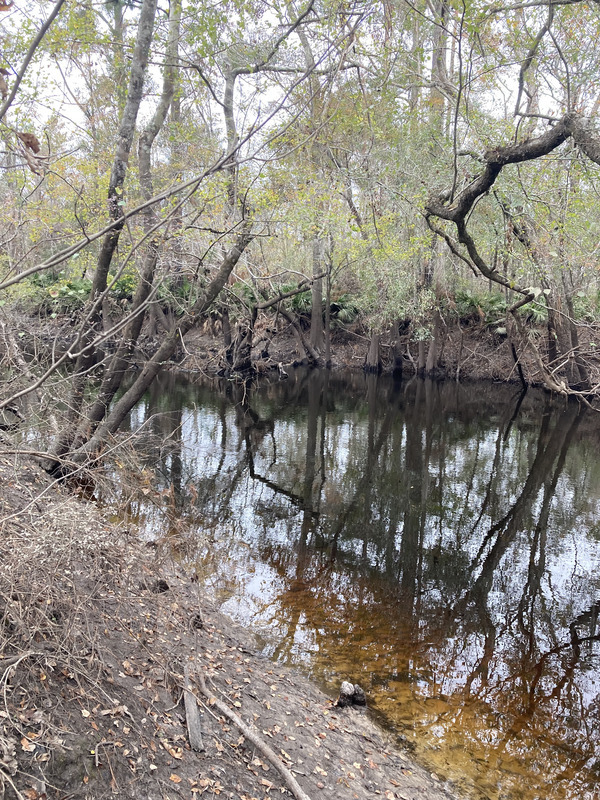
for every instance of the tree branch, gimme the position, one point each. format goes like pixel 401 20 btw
pixel 30 53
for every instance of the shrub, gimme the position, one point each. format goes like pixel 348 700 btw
pixel 474 307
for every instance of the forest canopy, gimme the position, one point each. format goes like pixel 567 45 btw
pixel 394 166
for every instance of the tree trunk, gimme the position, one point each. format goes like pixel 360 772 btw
pixel 120 363
pixel 316 314
pixel 584 378
pixel 308 354
pixel 432 362
pixel 422 357
pixel 125 135
pixel 242 345
pixel 373 360
pixel 328 310
pixel 153 366
pixel 227 338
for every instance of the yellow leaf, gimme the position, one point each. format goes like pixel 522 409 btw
pixel 174 778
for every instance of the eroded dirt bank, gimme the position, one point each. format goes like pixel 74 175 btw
pixel 98 635
pixel 472 352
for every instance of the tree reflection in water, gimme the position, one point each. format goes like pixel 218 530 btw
pixel 436 543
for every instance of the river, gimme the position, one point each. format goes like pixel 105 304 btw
pixel 437 543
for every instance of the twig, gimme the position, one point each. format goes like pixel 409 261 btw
pixel 7 663
pixel 264 748
pixel 6 777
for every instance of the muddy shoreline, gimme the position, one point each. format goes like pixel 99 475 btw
pixel 98 632
pixel 468 352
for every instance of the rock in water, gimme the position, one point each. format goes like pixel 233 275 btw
pixel 359 697
pixel 351 695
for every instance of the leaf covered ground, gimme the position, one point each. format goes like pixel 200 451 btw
pixel 98 631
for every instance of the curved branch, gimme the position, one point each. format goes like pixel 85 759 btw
pixel 497 158
pixel 531 55
pixel 30 53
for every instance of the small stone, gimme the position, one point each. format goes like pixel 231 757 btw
pixel 359 698
pixel 351 695
pixel 346 694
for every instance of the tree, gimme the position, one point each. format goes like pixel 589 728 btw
pixel 457 210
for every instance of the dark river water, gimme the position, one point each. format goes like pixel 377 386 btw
pixel 439 544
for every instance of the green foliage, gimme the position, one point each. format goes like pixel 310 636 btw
pixel 477 307
pixel 345 310
pixel 245 294
pixel 124 287
pixel 64 296
pixel 535 312
pixel 301 303
pixel 586 306
pixel 176 294
pixel 57 292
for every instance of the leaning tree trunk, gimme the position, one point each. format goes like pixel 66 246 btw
pixel 123 406
pixel 121 361
pixel 125 136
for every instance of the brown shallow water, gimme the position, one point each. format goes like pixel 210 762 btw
pixel 436 543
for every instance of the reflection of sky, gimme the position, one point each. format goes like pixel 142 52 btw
pixel 343 614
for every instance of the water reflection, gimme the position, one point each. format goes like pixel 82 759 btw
pixel 436 543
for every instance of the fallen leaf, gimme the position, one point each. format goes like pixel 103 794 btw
pixel 174 778
pixel 28 746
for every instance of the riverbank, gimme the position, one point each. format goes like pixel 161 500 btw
pixel 463 351
pixel 472 353
pixel 101 634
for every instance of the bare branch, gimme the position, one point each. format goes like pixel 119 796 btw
pixel 30 53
